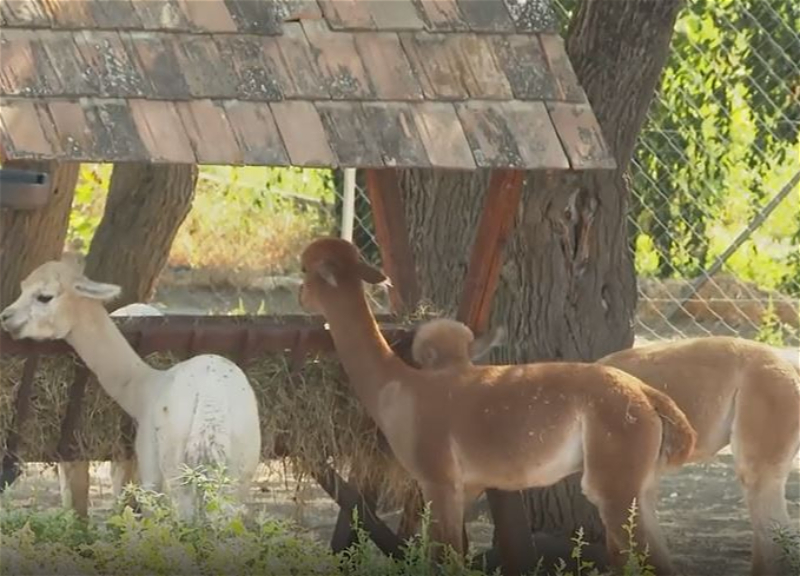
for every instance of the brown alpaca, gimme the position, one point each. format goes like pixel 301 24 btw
pixel 460 430
pixel 733 391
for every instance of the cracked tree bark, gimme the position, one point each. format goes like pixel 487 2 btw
pixel 146 205
pixel 567 287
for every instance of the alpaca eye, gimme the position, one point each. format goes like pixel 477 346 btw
pixel 43 298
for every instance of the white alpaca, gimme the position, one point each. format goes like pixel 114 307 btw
pixel 202 411
pixel 73 477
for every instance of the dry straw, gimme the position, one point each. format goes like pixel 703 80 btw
pixel 311 415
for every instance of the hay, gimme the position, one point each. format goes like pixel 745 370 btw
pixel 312 414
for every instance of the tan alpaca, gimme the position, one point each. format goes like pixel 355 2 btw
pixel 463 429
pixel 733 391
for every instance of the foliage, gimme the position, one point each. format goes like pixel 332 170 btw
pixel 721 140
pixel 222 540
pixel 242 219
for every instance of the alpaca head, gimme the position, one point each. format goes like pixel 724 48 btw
pixel 51 301
pixel 331 266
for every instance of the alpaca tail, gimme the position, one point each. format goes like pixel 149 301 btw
pixel 678 438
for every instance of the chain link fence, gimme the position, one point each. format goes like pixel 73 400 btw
pixel 715 206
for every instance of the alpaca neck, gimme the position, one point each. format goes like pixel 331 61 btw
pixel 106 352
pixel 368 360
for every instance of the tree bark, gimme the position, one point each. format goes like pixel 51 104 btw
pixel 146 205
pixel 567 288
pixel 31 238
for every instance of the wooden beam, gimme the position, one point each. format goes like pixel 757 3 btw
pixel 497 221
pixel 391 232
pixel 515 542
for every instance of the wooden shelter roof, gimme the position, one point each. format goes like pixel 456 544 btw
pixel 358 83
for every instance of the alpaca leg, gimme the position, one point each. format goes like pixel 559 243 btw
pixel 73 479
pixel 764 489
pixel 123 472
pixel 763 456
pixel 447 516
pixel 613 489
pixel 147 458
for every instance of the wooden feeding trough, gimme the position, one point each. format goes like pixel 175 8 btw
pixel 455 84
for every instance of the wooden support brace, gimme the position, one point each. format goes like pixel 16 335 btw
pixel 391 232
pixel 10 470
pixel 497 220
pixel 348 498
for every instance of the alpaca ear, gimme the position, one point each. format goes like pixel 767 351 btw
pixel 96 290
pixel 74 260
pixel 482 345
pixel 325 271
pixel 373 275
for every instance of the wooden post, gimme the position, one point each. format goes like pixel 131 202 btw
pixel 515 542
pixel 391 231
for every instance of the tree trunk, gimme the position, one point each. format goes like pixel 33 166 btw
pixel 567 288
pixel 30 238
pixel 147 203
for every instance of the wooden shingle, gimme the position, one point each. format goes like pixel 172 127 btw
pixel 255 17
pixel 161 131
pixel 31 14
pixel 297 63
pixel 486 16
pixel 159 65
pixel 443 136
pixel 209 132
pixel 68 65
pixel 433 63
pixel 394 123
pixel 257 76
pixel 489 135
pixel 112 69
pixel 160 15
pixel 26 68
pixel 567 82
pixel 114 130
pixel 364 83
pixel 303 134
pixel 581 135
pixel 537 140
pixel 478 66
pixel 258 136
pixel 395 14
pixel 339 63
pixel 202 66
pixel 347 14
pixel 71 128
pixel 23 130
pixel 18 74
pixel 388 68
pixel 208 15
pixel 349 134
pixel 442 16
pixel 523 61
pixel 532 15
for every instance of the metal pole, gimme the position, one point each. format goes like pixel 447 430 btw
pixel 348 203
